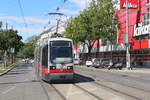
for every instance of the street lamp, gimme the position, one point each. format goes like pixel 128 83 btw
pixel 128 63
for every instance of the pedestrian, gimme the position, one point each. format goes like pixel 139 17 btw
pixel 133 63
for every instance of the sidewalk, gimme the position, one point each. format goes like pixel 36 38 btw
pixel 135 70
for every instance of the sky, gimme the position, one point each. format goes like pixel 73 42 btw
pixel 29 17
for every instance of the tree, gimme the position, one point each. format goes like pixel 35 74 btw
pixel 27 51
pixel 1 24
pixel 95 22
pixel 79 29
pixel 10 41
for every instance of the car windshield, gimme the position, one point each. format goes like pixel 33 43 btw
pixel 98 59
pixel 105 59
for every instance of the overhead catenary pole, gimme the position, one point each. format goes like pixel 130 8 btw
pixel 128 63
pixel 58 20
pixel 57 26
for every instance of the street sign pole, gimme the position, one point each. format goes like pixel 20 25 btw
pixel 127 38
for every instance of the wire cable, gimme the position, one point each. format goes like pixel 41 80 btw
pixel 22 13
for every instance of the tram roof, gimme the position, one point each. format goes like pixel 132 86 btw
pixel 59 38
pixel 44 41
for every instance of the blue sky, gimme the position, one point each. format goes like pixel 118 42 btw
pixel 35 14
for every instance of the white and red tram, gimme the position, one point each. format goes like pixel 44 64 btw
pixel 54 59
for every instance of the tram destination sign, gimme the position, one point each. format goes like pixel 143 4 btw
pixel 132 4
pixel 141 30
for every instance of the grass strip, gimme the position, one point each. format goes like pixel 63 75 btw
pixel 3 69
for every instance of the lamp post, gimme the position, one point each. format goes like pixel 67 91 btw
pixel 128 63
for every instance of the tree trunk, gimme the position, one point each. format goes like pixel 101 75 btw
pixel 89 52
pixel 5 59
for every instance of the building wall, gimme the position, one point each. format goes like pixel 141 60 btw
pixel 136 16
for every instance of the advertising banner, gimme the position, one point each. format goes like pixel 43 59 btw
pixel 132 4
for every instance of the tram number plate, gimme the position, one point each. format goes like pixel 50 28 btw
pixel 62 76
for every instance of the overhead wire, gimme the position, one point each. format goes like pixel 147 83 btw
pixel 57 10
pixel 22 14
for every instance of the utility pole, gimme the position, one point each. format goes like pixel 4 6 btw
pixel 58 20
pixel 128 63
pixel 6 26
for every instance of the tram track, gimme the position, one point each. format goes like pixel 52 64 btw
pixel 107 87
pixel 86 78
pixel 86 91
pixel 148 91
pixel 37 77
pixel 58 92
pixel 77 86
pixel 44 89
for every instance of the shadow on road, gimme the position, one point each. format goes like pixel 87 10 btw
pixel 78 78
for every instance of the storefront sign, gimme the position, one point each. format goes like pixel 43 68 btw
pixel 141 30
pixel 132 4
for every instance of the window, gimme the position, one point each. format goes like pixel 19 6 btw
pixel 146 18
pixel 61 52
pixel 60 44
pixel 45 56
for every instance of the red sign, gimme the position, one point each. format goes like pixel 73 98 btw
pixel 132 4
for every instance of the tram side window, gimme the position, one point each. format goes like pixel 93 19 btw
pixel 45 56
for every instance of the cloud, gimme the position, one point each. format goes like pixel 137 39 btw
pixel 29 30
pixel 69 12
pixel 29 19
pixel 81 3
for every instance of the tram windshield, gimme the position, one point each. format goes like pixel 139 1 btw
pixel 61 52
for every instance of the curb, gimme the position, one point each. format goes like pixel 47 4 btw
pixel 135 70
pixel 5 72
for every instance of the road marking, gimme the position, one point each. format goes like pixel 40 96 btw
pixel 8 90
pixel 26 80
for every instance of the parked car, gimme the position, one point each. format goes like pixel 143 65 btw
pixel 89 63
pixel 76 61
pixel 98 62
pixel 116 65
pixel 106 62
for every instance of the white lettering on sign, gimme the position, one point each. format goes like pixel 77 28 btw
pixel 130 5
pixel 141 30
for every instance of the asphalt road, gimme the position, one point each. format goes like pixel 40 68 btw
pixel 90 84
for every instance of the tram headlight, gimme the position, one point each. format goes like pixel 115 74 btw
pixel 70 67
pixel 52 67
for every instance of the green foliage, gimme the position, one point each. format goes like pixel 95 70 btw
pixel 95 22
pixel 10 39
pixel 1 24
pixel 10 43
pixel 27 51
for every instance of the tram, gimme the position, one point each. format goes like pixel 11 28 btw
pixel 54 59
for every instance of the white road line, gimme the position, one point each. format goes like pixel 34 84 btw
pixel 26 80
pixel 8 90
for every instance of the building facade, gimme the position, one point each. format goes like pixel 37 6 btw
pixel 138 36
pixel 139 25
pixel 139 28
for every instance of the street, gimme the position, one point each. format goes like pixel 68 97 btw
pixel 21 83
